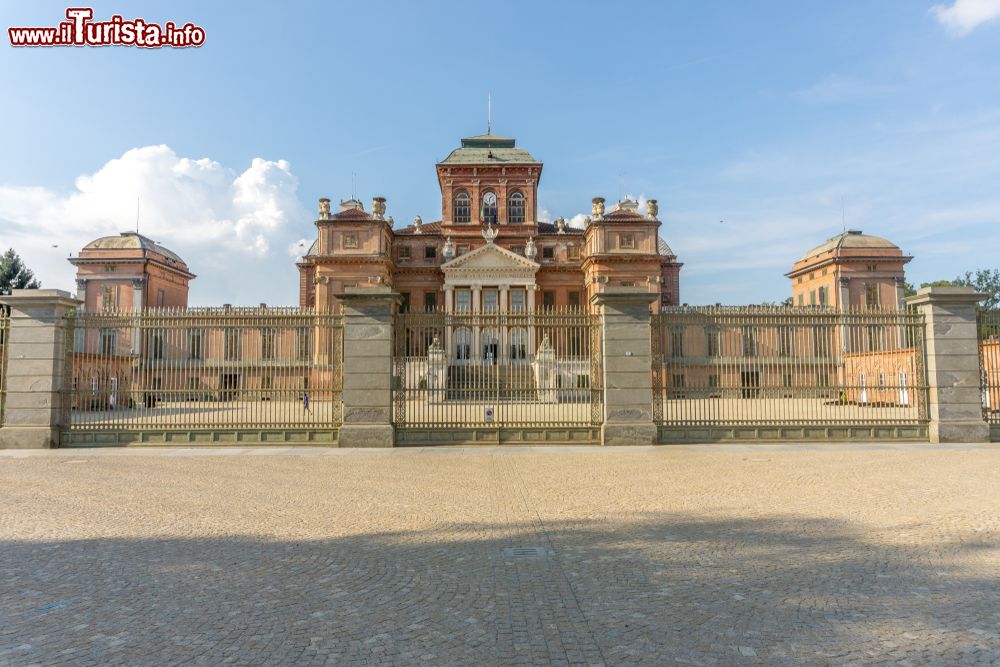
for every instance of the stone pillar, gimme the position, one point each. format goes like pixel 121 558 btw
pixel 37 351
pixel 845 293
pixel 138 294
pixel 956 409
pixel 368 350
pixel 627 356
pixel 81 290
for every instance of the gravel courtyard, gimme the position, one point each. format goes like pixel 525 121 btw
pixel 693 555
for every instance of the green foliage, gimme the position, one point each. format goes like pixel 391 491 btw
pixel 14 274
pixel 986 281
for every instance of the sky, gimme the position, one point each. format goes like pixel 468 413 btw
pixel 763 128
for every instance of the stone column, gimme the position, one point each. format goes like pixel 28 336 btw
pixel 956 409
pixel 845 293
pixel 81 290
pixel 627 356
pixel 138 294
pixel 368 350
pixel 37 352
pixel 477 331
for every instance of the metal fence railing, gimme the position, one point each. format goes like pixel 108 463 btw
pixel 989 363
pixel 485 369
pixel 788 366
pixel 226 368
pixel 4 332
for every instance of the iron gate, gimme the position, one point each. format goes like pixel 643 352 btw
pixel 491 370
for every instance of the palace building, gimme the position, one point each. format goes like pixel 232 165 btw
pixel 130 272
pixel 489 250
pixel 850 270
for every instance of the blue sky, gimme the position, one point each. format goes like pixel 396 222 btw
pixel 766 116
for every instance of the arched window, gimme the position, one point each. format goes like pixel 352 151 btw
pixel 462 213
pixel 515 208
pixel 489 208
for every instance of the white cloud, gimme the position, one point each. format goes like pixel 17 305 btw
pixel 222 222
pixel 964 16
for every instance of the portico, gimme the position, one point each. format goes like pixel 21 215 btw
pixel 489 279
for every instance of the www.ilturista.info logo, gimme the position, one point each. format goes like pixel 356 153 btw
pixel 79 30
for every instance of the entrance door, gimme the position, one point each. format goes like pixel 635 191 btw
pixel 750 381
pixel 228 383
pixel 491 347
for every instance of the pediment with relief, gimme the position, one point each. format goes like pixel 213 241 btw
pixel 491 257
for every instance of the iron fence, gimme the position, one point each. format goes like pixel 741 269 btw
pixel 4 332
pixel 497 369
pixel 788 366
pixel 989 363
pixel 186 369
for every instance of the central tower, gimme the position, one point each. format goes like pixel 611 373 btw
pixel 488 180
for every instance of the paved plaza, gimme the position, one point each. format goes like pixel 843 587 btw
pixel 735 554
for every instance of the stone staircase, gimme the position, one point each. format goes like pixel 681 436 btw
pixel 491 383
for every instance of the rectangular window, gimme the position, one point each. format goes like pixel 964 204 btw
pixel 749 341
pixel 110 269
pixel 108 341
pixel 491 300
pixel 430 252
pixel 548 299
pixel 350 241
pixel 109 299
pixel 713 381
pixel 548 252
pixel 678 380
pixel 822 296
pixel 231 344
pixel 430 301
pixel 161 298
pixel 801 299
pixel 463 300
pixel 626 241
pixel 194 344
pixel 871 295
pixel 574 299
pixel 156 346
pixel 404 304
pixel 404 252
pixel 267 338
pixel 518 300
pixel 573 252
pixel 812 297
pixel 677 343
pixel 714 343
pixel 582 381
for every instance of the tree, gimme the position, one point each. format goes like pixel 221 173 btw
pixel 986 281
pixel 14 274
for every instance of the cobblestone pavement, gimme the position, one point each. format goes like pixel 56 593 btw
pixel 693 555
